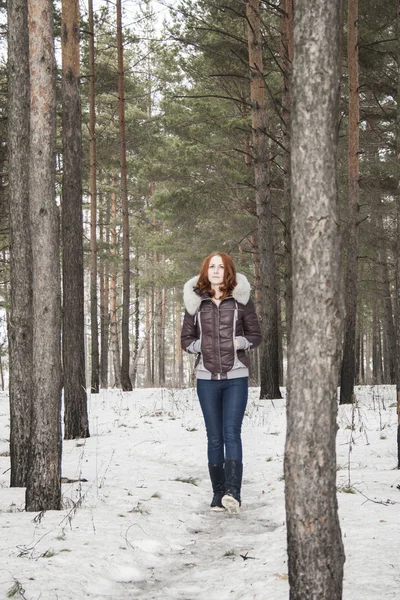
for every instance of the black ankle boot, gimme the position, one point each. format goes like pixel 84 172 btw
pixel 233 483
pixel 217 476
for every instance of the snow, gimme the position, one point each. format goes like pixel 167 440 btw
pixel 140 526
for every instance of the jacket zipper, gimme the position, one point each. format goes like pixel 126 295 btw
pixel 219 345
pixel 219 341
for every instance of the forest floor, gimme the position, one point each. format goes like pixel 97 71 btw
pixel 139 525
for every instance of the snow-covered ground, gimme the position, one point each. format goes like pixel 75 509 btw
pixel 140 526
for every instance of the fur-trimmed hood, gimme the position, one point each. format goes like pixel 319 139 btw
pixel 192 301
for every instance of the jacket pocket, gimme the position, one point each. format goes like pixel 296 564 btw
pixel 241 354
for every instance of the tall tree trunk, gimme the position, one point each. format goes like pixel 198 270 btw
pixel 157 333
pixel 254 362
pixel 153 318
pixel 125 379
pixel 2 377
pixel 280 341
pixel 380 353
pixel 76 422
pixel 179 354
pixel 113 293
pixel 104 297
pixel 136 305
pixel 390 333
pixel 368 358
pixel 315 547
pixel 397 245
pixel 375 343
pixel 4 207
pixel 375 294
pixel 269 367
pixel 351 281
pixel 359 373
pixel 94 327
pixel 358 355
pixel 246 142
pixel 43 491
pixel 163 310
pixel 362 360
pixel 287 60
pixel 148 340
pixel 137 328
pixel 20 315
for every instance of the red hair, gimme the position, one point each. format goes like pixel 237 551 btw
pixel 229 283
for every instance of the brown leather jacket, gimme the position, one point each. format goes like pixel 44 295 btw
pixel 210 330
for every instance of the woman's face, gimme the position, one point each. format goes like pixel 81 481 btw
pixel 216 270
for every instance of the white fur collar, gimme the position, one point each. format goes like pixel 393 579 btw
pixel 192 301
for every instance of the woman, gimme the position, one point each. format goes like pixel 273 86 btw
pixel 220 323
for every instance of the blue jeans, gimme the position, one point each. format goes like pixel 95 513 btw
pixel 223 403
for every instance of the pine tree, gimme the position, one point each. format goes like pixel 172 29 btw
pixel 349 350
pixel 43 490
pixel 269 365
pixel 315 547
pixel 20 327
pixel 73 343
pixel 94 327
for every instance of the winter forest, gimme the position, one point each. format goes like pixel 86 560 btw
pixel 139 136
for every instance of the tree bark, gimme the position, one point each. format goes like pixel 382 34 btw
pixel 315 547
pixel 269 357
pixel 153 317
pixel 362 360
pixel 390 333
pixel 358 357
pixel 104 299
pixel 125 379
pixel 368 358
pixel 397 245
pixel 43 491
pixel 137 326
pixel 179 353
pixel 376 359
pixel 94 327
pixel 161 362
pixel 113 293
pixel 287 60
pixel 2 377
pixel 76 423
pixel 163 312
pixel 149 380
pixel 351 281
pixel 20 316
pixel 157 332
pixel 4 206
